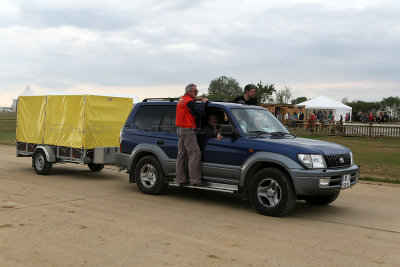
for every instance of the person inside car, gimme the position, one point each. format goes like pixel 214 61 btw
pixel 211 129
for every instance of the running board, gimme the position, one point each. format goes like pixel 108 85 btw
pixel 212 186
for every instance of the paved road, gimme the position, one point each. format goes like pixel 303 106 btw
pixel 74 217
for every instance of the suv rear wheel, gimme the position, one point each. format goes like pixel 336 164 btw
pixel 322 200
pixel 272 193
pixel 149 176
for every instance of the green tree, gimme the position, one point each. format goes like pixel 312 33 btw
pixel 264 92
pixel 224 88
pixel 392 106
pixel 364 107
pixel 299 99
pixel 283 96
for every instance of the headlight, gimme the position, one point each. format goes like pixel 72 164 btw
pixel 351 158
pixel 312 161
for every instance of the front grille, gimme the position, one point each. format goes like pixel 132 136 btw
pixel 334 161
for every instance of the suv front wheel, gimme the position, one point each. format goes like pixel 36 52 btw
pixel 149 176
pixel 272 193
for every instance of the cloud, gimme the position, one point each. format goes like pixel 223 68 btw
pixel 164 44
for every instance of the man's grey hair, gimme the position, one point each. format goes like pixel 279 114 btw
pixel 189 87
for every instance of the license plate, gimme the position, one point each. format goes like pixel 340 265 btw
pixel 346 181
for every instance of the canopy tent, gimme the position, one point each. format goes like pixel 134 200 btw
pixel 28 91
pixel 324 103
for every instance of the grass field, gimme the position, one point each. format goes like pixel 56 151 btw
pixel 379 159
pixel 8 115
pixel 7 138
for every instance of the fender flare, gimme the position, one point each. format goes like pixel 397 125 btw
pixel 50 156
pixel 151 149
pixel 268 157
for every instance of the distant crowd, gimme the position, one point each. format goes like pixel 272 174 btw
pixel 318 116
pixel 291 117
pixel 322 117
pixel 380 117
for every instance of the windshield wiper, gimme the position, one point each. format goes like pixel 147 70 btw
pixel 281 134
pixel 258 132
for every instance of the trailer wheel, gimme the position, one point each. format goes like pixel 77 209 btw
pixel 95 167
pixel 40 163
pixel 149 176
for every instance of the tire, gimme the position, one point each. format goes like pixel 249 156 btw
pixel 322 200
pixel 272 193
pixel 40 163
pixel 149 176
pixel 132 177
pixel 95 167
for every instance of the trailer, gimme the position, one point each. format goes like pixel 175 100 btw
pixel 81 129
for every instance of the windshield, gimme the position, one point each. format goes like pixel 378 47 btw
pixel 257 121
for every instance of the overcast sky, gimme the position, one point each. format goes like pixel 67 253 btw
pixel 154 48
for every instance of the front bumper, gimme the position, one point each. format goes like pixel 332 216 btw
pixel 307 181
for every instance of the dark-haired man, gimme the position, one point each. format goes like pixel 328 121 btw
pixel 249 95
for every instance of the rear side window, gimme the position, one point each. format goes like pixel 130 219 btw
pixel 148 117
pixel 168 122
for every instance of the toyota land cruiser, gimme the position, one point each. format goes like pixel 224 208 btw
pixel 257 157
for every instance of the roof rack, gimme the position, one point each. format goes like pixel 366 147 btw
pixel 161 99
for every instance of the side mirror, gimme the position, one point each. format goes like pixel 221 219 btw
pixel 227 129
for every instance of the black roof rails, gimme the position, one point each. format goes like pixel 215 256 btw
pixel 161 99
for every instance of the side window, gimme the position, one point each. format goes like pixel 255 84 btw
pixel 168 121
pixel 221 118
pixel 148 117
pixel 173 119
pixel 220 114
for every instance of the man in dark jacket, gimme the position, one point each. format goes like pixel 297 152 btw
pixel 249 95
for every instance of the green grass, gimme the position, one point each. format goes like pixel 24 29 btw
pixel 378 158
pixel 384 180
pixel 8 115
pixel 7 137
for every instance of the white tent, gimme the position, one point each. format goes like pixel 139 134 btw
pixel 28 91
pixel 324 103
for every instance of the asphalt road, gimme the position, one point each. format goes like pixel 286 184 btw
pixel 75 217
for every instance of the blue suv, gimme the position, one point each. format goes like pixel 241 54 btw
pixel 257 157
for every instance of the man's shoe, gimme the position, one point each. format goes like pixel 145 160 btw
pixel 184 184
pixel 201 184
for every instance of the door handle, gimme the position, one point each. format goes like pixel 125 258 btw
pixel 160 142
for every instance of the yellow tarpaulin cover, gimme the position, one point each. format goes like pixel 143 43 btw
pixel 79 121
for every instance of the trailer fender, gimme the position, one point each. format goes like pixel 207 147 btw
pixel 50 156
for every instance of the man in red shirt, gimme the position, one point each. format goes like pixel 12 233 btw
pixel 189 154
pixel 371 117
